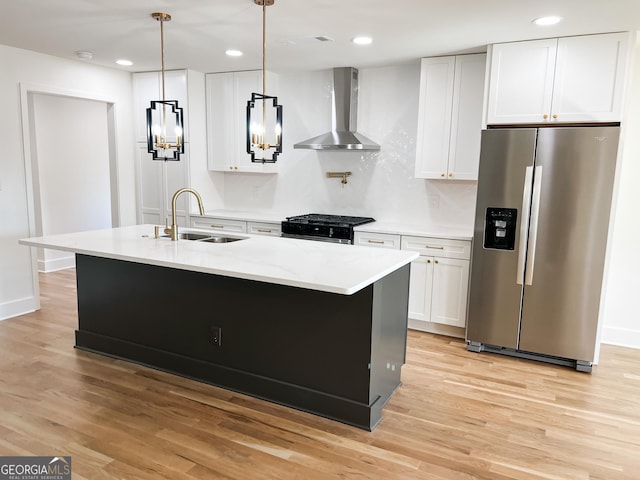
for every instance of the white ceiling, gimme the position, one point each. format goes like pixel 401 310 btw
pixel 200 31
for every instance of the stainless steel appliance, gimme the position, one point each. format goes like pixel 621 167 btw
pixel 541 225
pixel 344 134
pixel 326 228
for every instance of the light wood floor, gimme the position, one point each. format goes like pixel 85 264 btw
pixel 458 415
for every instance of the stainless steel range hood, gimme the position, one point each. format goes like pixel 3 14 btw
pixel 343 136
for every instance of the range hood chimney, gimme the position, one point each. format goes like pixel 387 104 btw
pixel 343 136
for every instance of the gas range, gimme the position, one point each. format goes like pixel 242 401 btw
pixel 321 227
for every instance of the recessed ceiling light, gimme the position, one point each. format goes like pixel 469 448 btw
pixel 546 21
pixel 362 40
pixel 124 63
pixel 233 53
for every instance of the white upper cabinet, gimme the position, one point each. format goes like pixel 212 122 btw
pixel 589 79
pixel 571 79
pixel 450 117
pixel 227 95
pixel 147 86
pixel 158 180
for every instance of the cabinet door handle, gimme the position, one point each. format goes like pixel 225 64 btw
pixel 217 226
pixel 555 115
pixel 436 247
pixel 545 116
pixel 442 175
pixel 436 261
pixel 428 261
pixel 379 242
pixel 451 174
pixel 264 230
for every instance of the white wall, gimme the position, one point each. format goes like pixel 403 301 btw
pixel 72 190
pixel 382 184
pixel 20 67
pixel 620 311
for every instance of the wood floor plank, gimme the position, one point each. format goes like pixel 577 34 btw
pixel 458 415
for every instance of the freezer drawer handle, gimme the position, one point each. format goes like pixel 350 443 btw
pixel 524 223
pixel 533 237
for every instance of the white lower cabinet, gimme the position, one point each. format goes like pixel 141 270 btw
pixel 264 228
pixel 216 223
pixel 382 240
pixel 236 226
pixel 157 182
pixel 438 283
pixel 438 291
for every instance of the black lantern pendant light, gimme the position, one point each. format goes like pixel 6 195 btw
pixel 264 129
pixel 165 124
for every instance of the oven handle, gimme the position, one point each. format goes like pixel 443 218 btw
pixel 317 239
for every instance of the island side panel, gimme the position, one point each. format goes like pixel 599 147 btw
pixel 389 333
pixel 304 348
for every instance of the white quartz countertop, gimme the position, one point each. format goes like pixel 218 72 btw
pixel 329 267
pixel 396 228
pixel 435 231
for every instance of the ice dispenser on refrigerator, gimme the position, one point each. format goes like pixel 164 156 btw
pixel 500 228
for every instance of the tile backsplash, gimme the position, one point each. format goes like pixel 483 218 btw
pixel 382 183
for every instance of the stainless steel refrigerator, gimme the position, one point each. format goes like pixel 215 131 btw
pixel 540 236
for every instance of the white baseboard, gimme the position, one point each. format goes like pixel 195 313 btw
pixel 438 328
pixel 47 266
pixel 624 337
pixel 18 307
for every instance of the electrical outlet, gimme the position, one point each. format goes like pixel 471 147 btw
pixel 434 200
pixel 216 336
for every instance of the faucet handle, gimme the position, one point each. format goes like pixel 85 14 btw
pixel 167 228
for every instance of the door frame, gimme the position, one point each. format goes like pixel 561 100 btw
pixel 27 90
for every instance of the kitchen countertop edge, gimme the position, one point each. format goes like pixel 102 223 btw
pixel 322 266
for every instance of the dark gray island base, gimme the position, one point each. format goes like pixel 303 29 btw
pixel 338 356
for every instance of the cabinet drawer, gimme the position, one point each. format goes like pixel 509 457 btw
pixel 438 247
pixel 382 240
pixel 260 228
pixel 213 223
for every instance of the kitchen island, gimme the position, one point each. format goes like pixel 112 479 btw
pixel 315 326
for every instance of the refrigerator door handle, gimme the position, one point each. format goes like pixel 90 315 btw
pixel 533 229
pixel 524 223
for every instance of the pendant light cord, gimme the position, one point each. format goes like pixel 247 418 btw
pixel 162 52
pixel 264 64
pixel 264 46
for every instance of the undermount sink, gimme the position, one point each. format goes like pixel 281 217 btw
pixel 203 237
pixel 192 236
pixel 221 239
pixel 189 236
